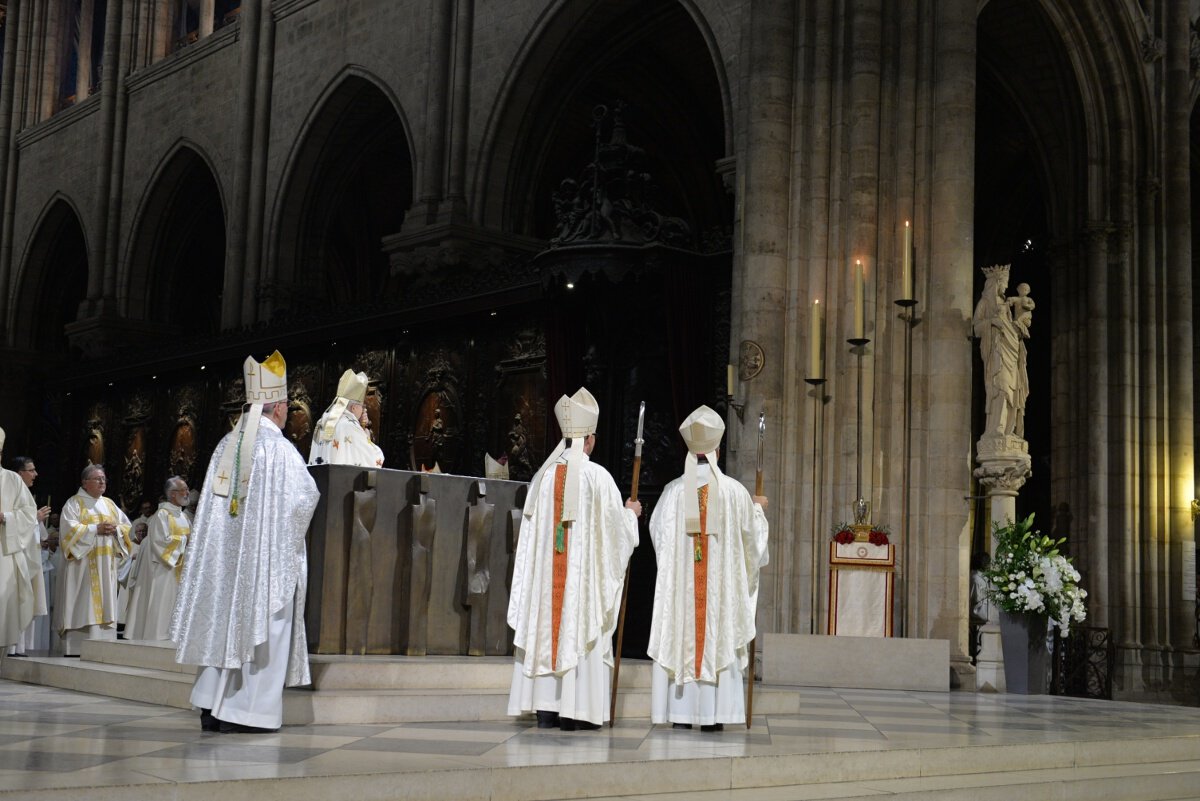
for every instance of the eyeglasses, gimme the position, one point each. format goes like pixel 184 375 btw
pixel 27 470
pixel 97 480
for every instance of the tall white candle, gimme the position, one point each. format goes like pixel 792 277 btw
pixel 729 380
pixel 858 299
pixel 906 275
pixel 816 355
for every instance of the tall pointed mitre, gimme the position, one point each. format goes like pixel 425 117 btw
pixel 266 382
pixel 577 417
pixel 493 469
pixel 702 431
pixel 352 388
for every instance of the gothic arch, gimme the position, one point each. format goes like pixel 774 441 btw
pixel 657 56
pixel 177 251
pixel 348 182
pixel 52 281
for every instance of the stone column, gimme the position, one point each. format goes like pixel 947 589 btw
pixel 239 206
pixel 1098 490
pixel 8 89
pixel 83 63
pixel 207 11
pixel 432 170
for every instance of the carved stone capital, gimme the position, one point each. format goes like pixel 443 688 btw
pixel 1003 474
pixel 1153 48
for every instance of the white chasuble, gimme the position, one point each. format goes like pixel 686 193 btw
pixel 20 559
pixel 700 632
pixel 88 588
pixel 349 444
pixel 566 594
pixel 158 569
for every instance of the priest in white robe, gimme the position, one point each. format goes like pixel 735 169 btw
pixel 128 567
pixel 36 636
pixel 240 610
pixel 569 568
pixel 340 436
pixel 94 537
pixel 21 593
pixel 710 538
pixel 154 583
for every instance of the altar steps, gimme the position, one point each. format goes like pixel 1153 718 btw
pixel 346 689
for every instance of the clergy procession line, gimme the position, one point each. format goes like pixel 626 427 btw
pixel 227 585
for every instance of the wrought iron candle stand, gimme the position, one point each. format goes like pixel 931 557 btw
pixel 862 509
pixel 814 602
pixel 908 314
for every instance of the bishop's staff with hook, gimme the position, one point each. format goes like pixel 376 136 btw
pixel 633 496
pixel 758 493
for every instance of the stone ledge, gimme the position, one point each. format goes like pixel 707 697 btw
pixel 872 663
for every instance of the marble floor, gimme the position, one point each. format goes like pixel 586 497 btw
pixel 846 743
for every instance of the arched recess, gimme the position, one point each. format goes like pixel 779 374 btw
pixel 652 55
pixel 349 183
pixel 53 282
pixel 177 253
pixel 1031 195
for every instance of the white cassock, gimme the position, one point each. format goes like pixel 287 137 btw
pixel 239 614
pixel 349 443
pixel 697 672
pixel 125 570
pixel 21 594
pixel 88 584
pixel 154 583
pixel 569 670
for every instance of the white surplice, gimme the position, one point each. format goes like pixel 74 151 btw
pixel 598 545
pixel 736 551
pixel 154 583
pixel 88 584
pixel 21 593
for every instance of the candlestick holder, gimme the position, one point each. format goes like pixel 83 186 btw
pixel 740 408
pixel 814 565
pixel 908 314
pixel 858 346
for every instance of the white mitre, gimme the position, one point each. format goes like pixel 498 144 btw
pixel 493 469
pixel 702 431
pixel 352 388
pixel 577 417
pixel 1 440
pixel 265 383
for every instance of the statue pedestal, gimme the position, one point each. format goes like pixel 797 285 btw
pixel 989 665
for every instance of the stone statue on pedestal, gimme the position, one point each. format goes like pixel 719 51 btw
pixel 1002 325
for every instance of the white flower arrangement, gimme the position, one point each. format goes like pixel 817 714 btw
pixel 1029 575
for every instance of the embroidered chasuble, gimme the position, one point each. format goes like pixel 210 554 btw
pixel 20 558
pixel 89 591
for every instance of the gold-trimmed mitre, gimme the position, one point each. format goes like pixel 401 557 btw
pixel 266 382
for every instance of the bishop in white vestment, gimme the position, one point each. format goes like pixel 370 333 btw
pixel 339 436
pixel 20 557
pixel 240 610
pixel 710 537
pixel 575 542
pixel 94 537
pixel 154 583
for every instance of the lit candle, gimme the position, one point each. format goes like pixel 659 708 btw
pixel 816 355
pixel 729 380
pixel 906 276
pixel 858 299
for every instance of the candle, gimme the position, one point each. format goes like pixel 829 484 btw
pixel 858 299
pixel 906 276
pixel 729 380
pixel 816 355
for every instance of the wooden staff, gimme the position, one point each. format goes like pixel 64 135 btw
pixel 758 490
pixel 633 492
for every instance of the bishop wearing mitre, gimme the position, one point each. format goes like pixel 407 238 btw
pixel 340 436
pixel 710 537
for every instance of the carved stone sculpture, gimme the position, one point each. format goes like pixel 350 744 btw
pixel 478 574
pixel 424 526
pixel 360 581
pixel 1002 325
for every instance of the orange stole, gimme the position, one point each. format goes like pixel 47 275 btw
pixel 700 574
pixel 559 582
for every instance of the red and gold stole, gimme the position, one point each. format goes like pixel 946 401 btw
pixel 559 584
pixel 700 576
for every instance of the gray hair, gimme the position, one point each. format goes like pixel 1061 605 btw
pixel 269 408
pixel 89 471
pixel 172 483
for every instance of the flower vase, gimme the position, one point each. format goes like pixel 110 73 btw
pixel 1023 639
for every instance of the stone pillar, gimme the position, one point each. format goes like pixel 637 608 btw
pixel 257 200
pixel 8 89
pixel 456 190
pixel 1098 489
pixel 239 206
pixel 432 169
pixel 207 10
pixel 83 64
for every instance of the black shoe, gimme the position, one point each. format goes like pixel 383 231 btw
pixel 21 655
pixel 681 725
pixel 713 727
pixel 547 720
pixel 571 724
pixel 208 722
pixel 238 728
